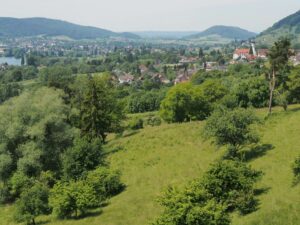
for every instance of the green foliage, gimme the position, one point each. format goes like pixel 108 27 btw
pixel 6 166
pixel 75 198
pixel 70 198
pixel 47 178
pixel 153 121
pixel 82 157
pixel 293 85
pixel 251 92
pixel 184 102
pixel 105 182
pixel 240 70
pixel 136 124
pixel 29 164
pixel 213 90
pixel 34 133
pixel 99 110
pixel 32 203
pixel 279 57
pixel 9 90
pixel 57 76
pixel 231 183
pixel 191 206
pixel 201 76
pixel 296 170
pixel 227 186
pixel 19 182
pixel 145 101
pixel 232 128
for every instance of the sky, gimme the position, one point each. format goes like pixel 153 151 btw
pixel 156 15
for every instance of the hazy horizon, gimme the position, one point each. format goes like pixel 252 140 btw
pixel 156 16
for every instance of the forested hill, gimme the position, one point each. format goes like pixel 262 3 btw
pixel 13 27
pixel 290 21
pixel 289 26
pixel 225 32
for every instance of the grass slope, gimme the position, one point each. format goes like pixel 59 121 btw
pixel 156 157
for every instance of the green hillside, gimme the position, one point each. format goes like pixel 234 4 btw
pixel 227 32
pixel 13 27
pixel 173 154
pixel 289 26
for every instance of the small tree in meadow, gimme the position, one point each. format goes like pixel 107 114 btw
pixel 296 170
pixel 72 199
pixel 278 57
pixel 183 103
pixel 32 203
pixel 232 128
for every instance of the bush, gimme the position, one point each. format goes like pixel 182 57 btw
pixel 251 92
pixel 153 121
pixel 105 182
pixel 145 101
pixel 191 206
pixel 232 128
pixel 227 186
pixel 32 203
pixel 231 184
pixel 296 170
pixel 82 157
pixel 183 103
pixel 136 124
pixel 72 198
pixel 5 195
pixel 19 183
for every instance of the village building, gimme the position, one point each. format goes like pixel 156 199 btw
pixel 161 78
pixel 262 53
pixel 242 54
pixel 182 78
pixel 185 60
pixel 143 69
pixel 126 79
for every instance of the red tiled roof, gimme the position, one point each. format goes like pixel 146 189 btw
pixel 262 52
pixel 242 51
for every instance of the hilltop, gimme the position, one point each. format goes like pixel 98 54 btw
pixel 289 26
pixel 227 32
pixel 165 34
pixel 28 27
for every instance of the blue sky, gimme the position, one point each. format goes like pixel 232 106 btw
pixel 168 15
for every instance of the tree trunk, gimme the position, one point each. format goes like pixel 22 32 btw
pixel 272 88
pixel 33 221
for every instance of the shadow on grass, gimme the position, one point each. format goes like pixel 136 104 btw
pixel 294 109
pixel 253 204
pixel 113 150
pixel 260 191
pixel 256 152
pixel 43 222
pixel 130 133
pixel 94 213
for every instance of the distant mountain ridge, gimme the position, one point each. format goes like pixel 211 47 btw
pixel 165 34
pixel 13 27
pixel 287 27
pixel 229 32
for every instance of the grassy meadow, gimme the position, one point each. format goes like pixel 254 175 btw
pixel 173 154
